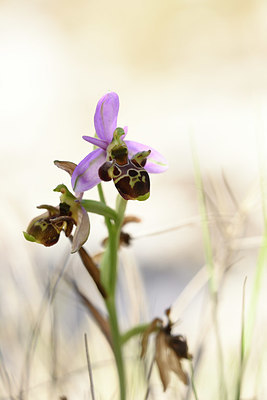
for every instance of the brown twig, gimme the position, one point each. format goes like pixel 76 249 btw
pixel 101 321
pixel 92 269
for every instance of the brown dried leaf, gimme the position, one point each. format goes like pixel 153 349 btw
pixel 174 364
pixel 98 257
pixel 92 269
pixel 161 358
pixel 101 321
pixel 151 328
pixel 130 218
pixel 125 239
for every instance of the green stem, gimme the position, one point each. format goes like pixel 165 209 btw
pixel 113 245
pixel 117 347
pixel 112 251
pixel 102 198
pixel 109 280
pixel 121 205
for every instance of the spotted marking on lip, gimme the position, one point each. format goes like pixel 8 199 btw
pixel 133 182
pixel 130 178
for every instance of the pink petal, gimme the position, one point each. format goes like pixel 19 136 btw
pixel 85 175
pixel 155 164
pixel 106 116
pixel 97 142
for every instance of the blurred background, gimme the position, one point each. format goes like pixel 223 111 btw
pixel 182 69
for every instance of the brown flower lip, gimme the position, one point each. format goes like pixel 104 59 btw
pixel 46 228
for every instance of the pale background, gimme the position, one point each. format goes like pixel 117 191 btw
pixel 181 68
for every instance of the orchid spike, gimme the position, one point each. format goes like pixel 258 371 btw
pixel 109 138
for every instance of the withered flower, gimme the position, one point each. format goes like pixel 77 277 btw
pixel 169 350
pixel 46 228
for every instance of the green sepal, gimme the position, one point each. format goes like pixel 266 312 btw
pixel 117 149
pixel 117 134
pixel 66 196
pixel 98 207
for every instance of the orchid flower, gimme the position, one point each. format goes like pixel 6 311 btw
pixel 110 142
pixel 46 228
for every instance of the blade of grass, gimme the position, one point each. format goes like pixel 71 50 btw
pixel 5 376
pixel 47 299
pixel 204 222
pixel 89 368
pixel 149 377
pixel 262 257
pixel 193 381
pixel 242 346
pixel 210 267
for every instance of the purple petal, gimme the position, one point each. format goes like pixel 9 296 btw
pixel 106 116
pixel 97 142
pixel 155 164
pixel 85 175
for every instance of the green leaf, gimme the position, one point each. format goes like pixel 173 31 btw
pixel 98 207
pixel 136 330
